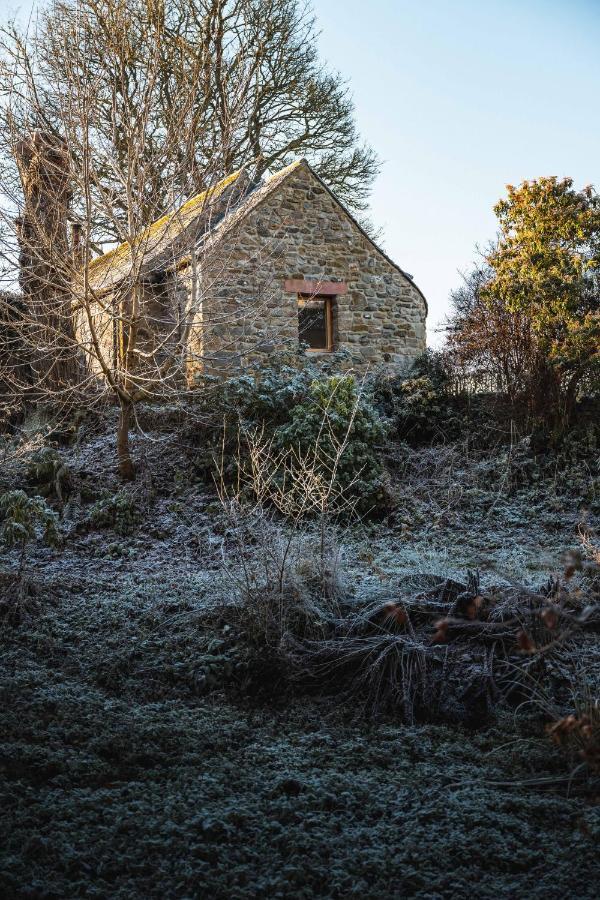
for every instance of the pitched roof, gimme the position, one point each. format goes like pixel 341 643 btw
pixel 153 242
pixel 256 194
pixel 266 188
pixel 209 215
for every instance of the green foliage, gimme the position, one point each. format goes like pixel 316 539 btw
pixel 301 407
pixel 549 250
pixel 228 406
pixel 546 266
pixel 23 517
pixel 118 512
pixel 418 405
pixel 420 408
pixel 267 395
pixel 435 366
pixel 47 471
pixel 346 430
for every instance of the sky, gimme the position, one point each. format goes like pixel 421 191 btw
pixel 460 98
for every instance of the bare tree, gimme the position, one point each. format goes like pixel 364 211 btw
pixel 247 72
pixel 114 325
pixel 489 346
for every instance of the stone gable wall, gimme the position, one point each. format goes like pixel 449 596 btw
pixel 299 232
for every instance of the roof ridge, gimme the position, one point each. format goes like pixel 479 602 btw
pixel 198 200
pixel 278 176
pixel 255 193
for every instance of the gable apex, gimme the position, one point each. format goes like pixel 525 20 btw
pixel 277 180
pixel 240 196
pixel 305 164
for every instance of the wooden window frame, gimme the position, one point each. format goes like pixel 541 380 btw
pixel 328 302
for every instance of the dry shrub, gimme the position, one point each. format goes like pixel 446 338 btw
pixel 451 651
pixel 444 650
pixel 580 733
pixel 384 659
pixel 283 557
pixel 284 580
pixel 376 673
pixel 286 585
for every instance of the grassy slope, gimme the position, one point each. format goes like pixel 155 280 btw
pixel 127 773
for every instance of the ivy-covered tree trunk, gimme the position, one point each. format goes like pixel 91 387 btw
pixel 44 169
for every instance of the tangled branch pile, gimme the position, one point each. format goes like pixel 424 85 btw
pixel 452 651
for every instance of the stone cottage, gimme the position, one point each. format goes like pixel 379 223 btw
pixel 247 269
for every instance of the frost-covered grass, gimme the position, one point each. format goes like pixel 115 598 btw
pixel 124 777
pixel 133 764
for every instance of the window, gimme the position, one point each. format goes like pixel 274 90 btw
pixel 315 322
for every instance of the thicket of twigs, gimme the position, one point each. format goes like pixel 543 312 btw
pixel 432 648
pixel 427 648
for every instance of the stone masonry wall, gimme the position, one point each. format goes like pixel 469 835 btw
pixel 298 231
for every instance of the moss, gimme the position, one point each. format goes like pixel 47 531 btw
pixel 177 218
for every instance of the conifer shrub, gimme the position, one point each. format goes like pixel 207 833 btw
pixel 300 408
pixel 48 472
pixel 227 408
pixel 118 512
pixel 22 520
pixel 267 394
pixel 348 432
pixel 418 405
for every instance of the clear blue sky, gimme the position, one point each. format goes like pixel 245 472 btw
pixel 460 98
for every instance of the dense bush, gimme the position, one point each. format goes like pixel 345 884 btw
pixel 226 407
pixel 428 405
pixel 347 432
pixel 118 512
pixel 418 405
pixel 21 516
pixel 22 519
pixel 526 320
pixel 301 408
pixel 268 394
pixel 48 472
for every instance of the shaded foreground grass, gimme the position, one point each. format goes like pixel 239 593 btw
pixel 132 766
pixel 124 776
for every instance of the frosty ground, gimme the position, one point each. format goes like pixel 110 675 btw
pixel 134 765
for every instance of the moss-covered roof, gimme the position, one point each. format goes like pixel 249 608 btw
pixel 168 241
pixel 110 268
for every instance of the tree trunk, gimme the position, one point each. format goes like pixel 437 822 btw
pixel 545 395
pixel 571 396
pixel 126 468
pixel 45 259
